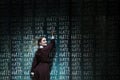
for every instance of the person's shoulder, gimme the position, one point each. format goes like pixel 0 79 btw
pixel 42 49
pixel 38 51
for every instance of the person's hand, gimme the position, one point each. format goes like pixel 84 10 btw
pixel 52 33
pixel 32 74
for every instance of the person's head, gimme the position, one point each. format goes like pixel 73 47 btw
pixel 42 41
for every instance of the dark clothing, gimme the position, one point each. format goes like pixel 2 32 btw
pixel 40 65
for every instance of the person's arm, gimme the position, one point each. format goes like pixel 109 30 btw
pixel 51 44
pixel 34 63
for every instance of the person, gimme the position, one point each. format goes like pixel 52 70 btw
pixel 40 69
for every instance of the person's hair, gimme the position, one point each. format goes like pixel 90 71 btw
pixel 39 40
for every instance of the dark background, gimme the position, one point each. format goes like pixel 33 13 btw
pixel 86 38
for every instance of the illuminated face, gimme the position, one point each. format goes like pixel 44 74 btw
pixel 43 42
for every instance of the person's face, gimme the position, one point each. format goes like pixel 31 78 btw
pixel 43 42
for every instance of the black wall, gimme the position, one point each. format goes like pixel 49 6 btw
pixel 86 38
